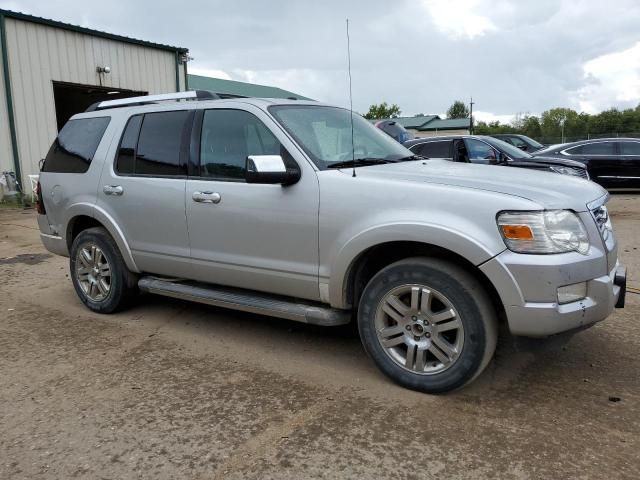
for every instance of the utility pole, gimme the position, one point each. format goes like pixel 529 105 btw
pixel 471 116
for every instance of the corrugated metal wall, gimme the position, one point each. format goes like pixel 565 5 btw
pixel 40 54
pixel 6 156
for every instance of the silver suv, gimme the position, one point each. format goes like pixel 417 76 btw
pixel 307 212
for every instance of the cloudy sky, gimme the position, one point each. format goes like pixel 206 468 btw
pixel 512 56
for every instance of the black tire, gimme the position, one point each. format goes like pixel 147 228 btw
pixel 122 283
pixel 469 299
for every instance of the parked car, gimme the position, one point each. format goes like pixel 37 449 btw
pixel 614 163
pixel 394 130
pixel 259 205
pixel 488 150
pixel 523 142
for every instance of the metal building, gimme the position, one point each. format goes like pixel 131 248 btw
pixel 51 70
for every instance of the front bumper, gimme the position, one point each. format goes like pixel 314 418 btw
pixel 528 292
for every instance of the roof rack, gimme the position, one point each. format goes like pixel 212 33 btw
pixel 151 99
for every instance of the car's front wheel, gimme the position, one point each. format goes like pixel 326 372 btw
pixel 99 274
pixel 428 324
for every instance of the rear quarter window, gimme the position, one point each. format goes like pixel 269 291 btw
pixel 441 149
pixel 75 146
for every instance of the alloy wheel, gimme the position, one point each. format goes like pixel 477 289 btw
pixel 419 329
pixel 93 272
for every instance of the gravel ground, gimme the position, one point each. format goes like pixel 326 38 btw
pixel 171 390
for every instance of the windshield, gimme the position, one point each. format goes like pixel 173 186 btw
pixel 550 147
pixel 504 147
pixel 532 142
pixel 325 135
pixel 395 131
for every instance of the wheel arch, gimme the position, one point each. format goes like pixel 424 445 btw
pixel 82 221
pixel 376 257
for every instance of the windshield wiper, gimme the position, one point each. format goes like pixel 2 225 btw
pixel 360 162
pixel 411 157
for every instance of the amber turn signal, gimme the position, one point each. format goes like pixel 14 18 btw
pixel 517 232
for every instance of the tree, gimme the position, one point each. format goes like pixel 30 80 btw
pixel 377 112
pixel 458 110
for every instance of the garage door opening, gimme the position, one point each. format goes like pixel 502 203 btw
pixel 71 98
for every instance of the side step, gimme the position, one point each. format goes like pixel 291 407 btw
pixel 247 301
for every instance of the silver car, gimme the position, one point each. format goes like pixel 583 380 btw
pixel 307 212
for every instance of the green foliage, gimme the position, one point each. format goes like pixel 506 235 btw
pixel 381 111
pixel 548 128
pixel 458 110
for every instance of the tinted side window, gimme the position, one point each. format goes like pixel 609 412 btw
pixel 480 152
pixel 159 144
pixel 228 137
pixel 127 151
pixel 600 148
pixel 517 142
pixel 75 146
pixel 630 148
pixel 436 149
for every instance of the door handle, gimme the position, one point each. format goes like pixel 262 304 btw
pixel 206 197
pixel 115 190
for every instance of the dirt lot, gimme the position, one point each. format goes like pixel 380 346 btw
pixel 176 390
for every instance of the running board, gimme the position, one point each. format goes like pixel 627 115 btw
pixel 247 301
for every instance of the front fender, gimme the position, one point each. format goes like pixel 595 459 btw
pixel 476 249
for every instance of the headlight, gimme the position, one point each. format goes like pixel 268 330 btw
pixel 549 231
pixel 576 172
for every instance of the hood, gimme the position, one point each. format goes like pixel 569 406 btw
pixel 565 162
pixel 549 190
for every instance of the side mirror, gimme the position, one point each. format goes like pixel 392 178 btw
pixel 270 169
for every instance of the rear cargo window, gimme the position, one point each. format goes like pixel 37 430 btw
pixel 75 146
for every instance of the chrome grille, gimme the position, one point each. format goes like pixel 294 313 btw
pixel 601 216
pixel 582 172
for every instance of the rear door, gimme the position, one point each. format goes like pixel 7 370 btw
pixel 601 159
pixel 630 163
pixel 142 189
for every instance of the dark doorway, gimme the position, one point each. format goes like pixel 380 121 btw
pixel 71 98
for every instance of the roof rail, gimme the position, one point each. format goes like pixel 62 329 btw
pixel 150 99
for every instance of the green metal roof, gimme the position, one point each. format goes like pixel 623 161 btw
pixel 233 87
pixel 447 124
pixel 87 31
pixel 415 122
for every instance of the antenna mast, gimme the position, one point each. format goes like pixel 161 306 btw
pixel 353 147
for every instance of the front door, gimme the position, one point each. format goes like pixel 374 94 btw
pixel 143 190
pixel 252 236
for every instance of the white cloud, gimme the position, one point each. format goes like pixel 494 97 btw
pixel 511 55
pixel 458 18
pixel 611 79
pixel 492 117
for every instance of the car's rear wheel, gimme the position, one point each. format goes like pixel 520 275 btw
pixel 428 324
pixel 99 274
